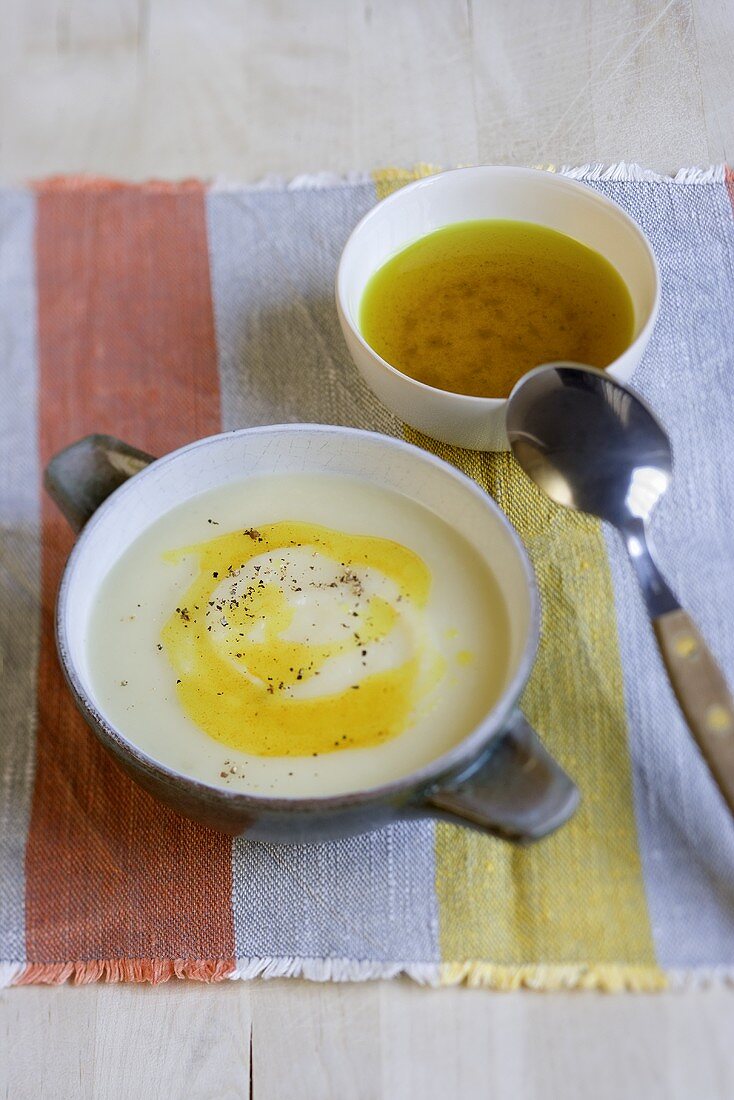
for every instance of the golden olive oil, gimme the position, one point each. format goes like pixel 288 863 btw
pixel 241 672
pixel 473 306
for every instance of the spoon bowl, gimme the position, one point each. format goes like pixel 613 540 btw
pixel 591 444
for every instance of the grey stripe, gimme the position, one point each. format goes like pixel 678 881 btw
pixel 19 558
pixel 273 261
pixel 368 898
pixel 686 834
pixel 281 353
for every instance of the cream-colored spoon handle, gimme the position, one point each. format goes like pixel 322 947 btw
pixel 702 694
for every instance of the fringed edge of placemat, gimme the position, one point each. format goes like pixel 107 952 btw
pixel 547 978
pixel 621 171
pixel 476 975
pixel 153 971
pixel 625 171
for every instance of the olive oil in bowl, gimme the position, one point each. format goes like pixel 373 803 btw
pixel 472 307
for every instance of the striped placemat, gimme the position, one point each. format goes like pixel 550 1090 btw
pixel 160 313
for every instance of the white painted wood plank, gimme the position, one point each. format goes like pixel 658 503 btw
pixel 714 30
pixel 470 1043
pixel 233 84
pixel 374 1041
pixel 247 87
pixel 317 1041
pixel 130 1042
pixel 413 94
pixel 564 83
pixel 243 89
pixel 68 92
pixel 46 1041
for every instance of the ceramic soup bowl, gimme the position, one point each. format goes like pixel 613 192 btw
pixel 499 778
pixel 517 194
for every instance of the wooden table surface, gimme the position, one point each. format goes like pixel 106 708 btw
pixel 243 88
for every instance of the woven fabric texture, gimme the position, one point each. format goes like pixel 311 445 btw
pixel 162 313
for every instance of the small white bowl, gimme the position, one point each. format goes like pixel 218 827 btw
pixel 464 194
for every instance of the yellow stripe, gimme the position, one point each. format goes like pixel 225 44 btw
pixel 578 897
pixel 603 978
pixel 387 180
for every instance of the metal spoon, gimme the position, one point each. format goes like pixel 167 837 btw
pixel 593 445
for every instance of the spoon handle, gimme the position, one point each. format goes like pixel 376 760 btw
pixel 702 694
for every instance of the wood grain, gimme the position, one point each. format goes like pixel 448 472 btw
pixel 139 88
pixel 174 88
pixel 361 1042
pixel 125 1042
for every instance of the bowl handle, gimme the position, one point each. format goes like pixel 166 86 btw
pixel 83 475
pixel 516 791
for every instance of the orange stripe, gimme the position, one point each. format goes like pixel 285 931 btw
pixel 126 346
